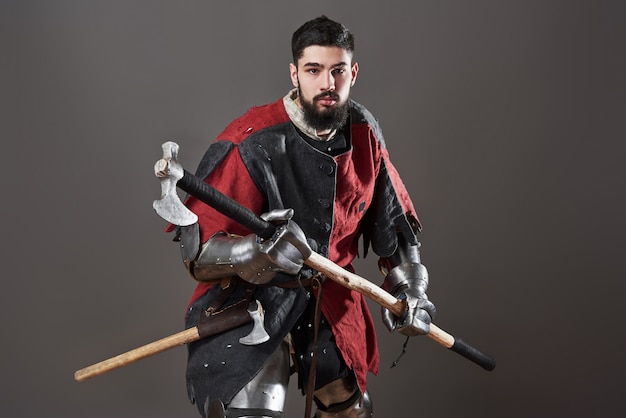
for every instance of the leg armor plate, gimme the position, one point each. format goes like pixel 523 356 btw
pixel 342 399
pixel 265 395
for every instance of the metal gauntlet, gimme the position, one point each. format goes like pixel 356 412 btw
pixel 251 258
pixel 408 280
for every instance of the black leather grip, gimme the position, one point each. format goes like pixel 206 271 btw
pixel 225 205
pixel 483 360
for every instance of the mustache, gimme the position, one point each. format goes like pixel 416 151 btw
pixel 327 94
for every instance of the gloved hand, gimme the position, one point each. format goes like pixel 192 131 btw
pixel 257 261
pixel 409 282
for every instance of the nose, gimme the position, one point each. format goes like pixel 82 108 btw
pixel 328 81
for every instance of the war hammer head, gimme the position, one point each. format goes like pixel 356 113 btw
pixel 169 171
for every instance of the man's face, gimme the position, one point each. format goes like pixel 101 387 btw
pixel 323 76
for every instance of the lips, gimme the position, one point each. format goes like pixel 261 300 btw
pixel 327 99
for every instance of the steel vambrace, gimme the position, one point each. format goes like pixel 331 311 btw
pixel 408 280
pixel 254 260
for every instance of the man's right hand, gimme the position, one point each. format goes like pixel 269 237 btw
pixel 257 261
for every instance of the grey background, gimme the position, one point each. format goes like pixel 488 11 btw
pixel 505 119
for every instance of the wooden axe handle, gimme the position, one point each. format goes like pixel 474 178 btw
pixel 181 338
pixel 396 306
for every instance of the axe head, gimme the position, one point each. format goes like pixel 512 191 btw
pixel 173 211
pixel 258 335
pixel 169 171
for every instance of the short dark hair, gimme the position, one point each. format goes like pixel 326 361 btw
pixel 321 31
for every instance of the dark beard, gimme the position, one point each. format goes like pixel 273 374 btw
pixel 327 119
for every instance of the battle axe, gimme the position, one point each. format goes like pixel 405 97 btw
pixel 174 211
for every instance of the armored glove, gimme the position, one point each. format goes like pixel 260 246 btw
pixel 409 281
pixel 251 258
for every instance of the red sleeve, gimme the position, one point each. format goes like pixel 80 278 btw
pixel 232 179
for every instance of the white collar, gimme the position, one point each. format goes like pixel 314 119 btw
pixel 296 114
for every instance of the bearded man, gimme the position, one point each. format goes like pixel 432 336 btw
pixel 315 163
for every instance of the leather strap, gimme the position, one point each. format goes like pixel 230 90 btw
pixel 316 284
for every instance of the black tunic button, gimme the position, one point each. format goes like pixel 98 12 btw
pixel 327 169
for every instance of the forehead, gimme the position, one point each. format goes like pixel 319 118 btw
pixel 326 56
